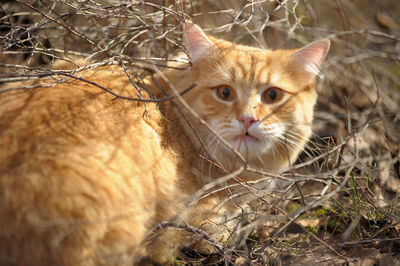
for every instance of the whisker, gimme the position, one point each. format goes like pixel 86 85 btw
pixel 213 139
pixel 313 135
pixel 213 155
pixel 294 144
pixel 278 141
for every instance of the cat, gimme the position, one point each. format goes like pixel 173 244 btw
pixel 86 177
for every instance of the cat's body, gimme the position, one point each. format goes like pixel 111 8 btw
pixel 83 178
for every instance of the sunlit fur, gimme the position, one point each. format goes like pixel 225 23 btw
pixel 83 177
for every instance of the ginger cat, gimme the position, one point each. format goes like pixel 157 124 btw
pixel 84 178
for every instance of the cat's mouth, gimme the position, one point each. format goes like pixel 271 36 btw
pixel 246 137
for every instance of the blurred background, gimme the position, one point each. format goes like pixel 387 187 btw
pixel 354 215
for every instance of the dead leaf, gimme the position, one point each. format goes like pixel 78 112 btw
pixel 386 21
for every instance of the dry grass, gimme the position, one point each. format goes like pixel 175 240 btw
pixel 342 203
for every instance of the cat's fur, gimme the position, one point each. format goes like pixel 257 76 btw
pixel 83 178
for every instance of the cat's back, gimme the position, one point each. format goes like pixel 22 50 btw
pixel 78 169
pixel 58 114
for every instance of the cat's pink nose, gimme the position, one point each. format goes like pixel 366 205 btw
pixel 247 120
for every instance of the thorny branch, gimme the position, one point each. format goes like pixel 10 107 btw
pixel 117 96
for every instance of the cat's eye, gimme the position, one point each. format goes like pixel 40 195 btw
pixel 272 95
pixel 225 92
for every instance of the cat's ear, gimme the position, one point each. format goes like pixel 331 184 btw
pixel 197 42
pixel 311 56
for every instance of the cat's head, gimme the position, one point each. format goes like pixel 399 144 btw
pixel 260 101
